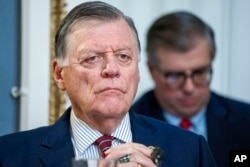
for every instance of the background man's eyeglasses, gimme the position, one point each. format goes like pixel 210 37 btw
pixel 200 77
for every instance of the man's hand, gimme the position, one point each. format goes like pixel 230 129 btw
pixel 138 155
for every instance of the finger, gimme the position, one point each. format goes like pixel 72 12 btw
pixel 142 160
pixel 128 148
pixel 129 164
pixel 138 153
pixel 134 164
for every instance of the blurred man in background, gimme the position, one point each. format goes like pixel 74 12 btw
pixel 180 51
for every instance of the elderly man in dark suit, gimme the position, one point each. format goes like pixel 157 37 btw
pixel 97 55
pixel 180 50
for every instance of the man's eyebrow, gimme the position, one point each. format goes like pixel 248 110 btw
pixel 126 48
pixel 183 71
pixel 84 51
pixel 201 67
pixel 99 51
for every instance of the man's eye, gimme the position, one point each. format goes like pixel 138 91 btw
pixel 123 57
pixel 93 59
pixel 173 76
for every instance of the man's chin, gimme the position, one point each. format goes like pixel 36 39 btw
pixel 189 111
pixel 110 113
pixel 112 107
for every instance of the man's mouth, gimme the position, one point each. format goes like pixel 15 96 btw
pixel 188 101
pixel 108 89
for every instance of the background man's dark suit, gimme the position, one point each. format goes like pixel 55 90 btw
pixel 228 123
pixel 52 146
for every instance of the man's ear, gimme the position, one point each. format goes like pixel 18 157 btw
pixel 57 72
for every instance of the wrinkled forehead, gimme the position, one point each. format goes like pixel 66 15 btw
pixel 87 23
pixel 104 31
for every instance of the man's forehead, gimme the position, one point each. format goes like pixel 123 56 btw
pixel 91 22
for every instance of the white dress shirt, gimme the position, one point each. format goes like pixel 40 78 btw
pixel 83 137
pixel 199 125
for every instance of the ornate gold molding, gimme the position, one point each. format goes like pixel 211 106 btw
pixel 56 99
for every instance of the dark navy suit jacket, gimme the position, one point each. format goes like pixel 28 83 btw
pixel 228 123
pixel 52 145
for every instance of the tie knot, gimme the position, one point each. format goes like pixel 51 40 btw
pixel 104 143
pixel 185 124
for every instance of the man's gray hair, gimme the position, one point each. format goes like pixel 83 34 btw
pixel 180 32
pixel 94 10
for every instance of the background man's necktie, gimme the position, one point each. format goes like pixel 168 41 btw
pixel 185 124
pixel 104 143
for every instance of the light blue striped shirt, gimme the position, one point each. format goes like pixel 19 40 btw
pixel 199 125
pixel 83 137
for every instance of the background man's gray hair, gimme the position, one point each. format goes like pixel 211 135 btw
pixel 178 31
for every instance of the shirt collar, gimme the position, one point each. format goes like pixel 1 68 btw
pixel 83 135
pixel 196 119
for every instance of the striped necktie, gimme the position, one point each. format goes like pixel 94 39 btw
pixel 104 143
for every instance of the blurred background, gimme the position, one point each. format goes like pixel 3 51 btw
pixel 25 29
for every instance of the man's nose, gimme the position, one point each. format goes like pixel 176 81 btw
pixel 188 85
pixel 111 66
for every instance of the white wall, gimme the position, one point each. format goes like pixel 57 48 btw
pixel 239 67
pixel 229 19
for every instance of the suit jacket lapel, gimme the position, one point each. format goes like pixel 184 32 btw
pixel 155 110
pixel 57 146
pixel 216 126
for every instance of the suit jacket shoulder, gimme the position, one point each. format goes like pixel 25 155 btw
pixel 148 105
pixel 229 113
pixel 228 123
pixel 45 146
